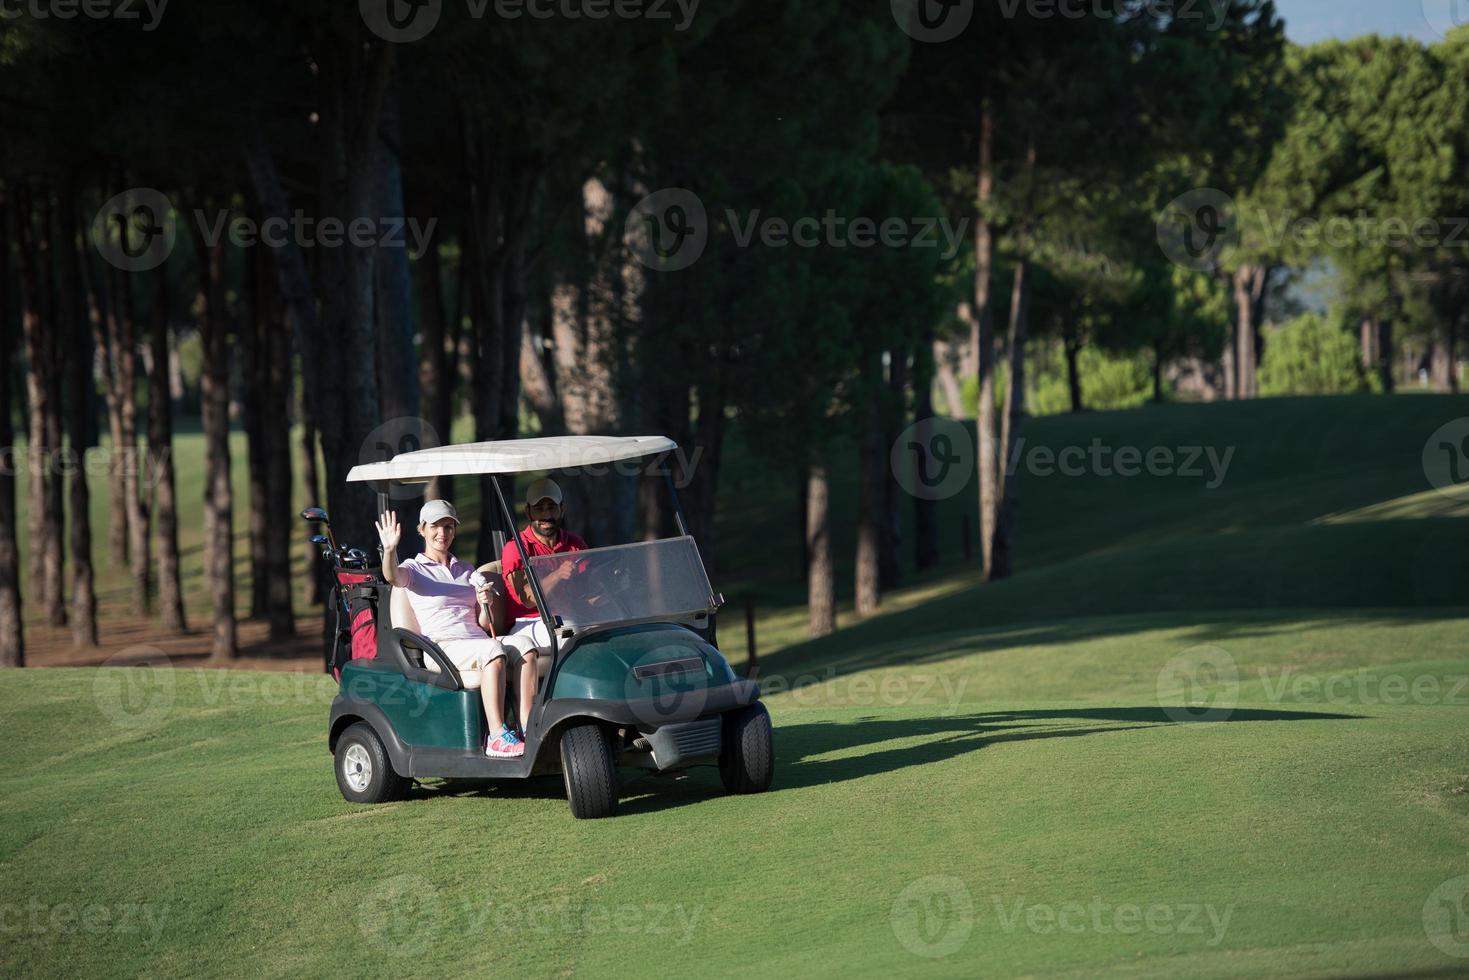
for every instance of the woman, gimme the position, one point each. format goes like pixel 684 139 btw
pixel 452 611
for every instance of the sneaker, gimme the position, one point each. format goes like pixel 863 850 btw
pixel 506 745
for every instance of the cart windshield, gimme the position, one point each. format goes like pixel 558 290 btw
pixel 646 580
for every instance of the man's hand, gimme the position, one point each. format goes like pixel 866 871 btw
pixel 388 531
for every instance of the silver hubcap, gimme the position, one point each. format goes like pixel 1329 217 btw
pixel 357 767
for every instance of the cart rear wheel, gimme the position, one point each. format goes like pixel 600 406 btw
pixel 747 750
pixel 364 772
pixel 591 775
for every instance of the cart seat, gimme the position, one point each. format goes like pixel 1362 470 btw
pixel 404 618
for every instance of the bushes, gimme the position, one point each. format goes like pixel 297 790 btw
pixel 1311 355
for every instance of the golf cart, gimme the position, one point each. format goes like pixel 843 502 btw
pixel 632 676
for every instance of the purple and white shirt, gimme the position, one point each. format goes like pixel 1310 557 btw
pixel 442 598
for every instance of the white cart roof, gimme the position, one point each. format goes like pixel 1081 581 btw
pixel 510 456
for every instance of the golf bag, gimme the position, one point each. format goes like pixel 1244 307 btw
pixel 354 596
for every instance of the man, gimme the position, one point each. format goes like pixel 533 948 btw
pixel 543 535
pixel 453 612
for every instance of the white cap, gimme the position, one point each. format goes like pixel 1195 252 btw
pixel 540 490
pixel 437 510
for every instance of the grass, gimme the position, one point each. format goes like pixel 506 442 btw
pixel 1203 732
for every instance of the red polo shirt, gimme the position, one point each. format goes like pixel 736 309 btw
pixel 510 562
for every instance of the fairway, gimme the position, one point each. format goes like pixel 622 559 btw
pixel 1221 734
pixel 1016 806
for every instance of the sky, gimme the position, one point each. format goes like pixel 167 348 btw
pixel 1309 21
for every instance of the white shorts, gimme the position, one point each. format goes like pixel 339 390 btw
pixel 474 654
pixel 527 636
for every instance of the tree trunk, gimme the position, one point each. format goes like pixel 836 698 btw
pixel 160 455
pixel 870 466
pixel 12 623
pixel 354 75
pixel 1249 292
pixel 435 381
pixel 219 571
pixel 890 541
pixel 1158 373
pixel 277 438
pixel 925 512
pixel 39 332
pixel 105 301
pixel 1445 358
pixel 949 387
pixel 1073 371
pixel 1385 354
pixel 294 288
pixel 1368 335
pixel 820 577
pixel 129 454
pixel 79 422
pixel 256 403
pixel 1005 525
pixel 983 336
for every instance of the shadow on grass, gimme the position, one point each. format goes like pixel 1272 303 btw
pixel 798 746
pixel 799 749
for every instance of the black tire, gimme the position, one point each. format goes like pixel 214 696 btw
pixel 591 775
pixel 747 750
pixel 365 774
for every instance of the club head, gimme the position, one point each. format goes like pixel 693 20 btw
pixel 315 514
pixel 356 554
pixel 327 554
pixel 318 539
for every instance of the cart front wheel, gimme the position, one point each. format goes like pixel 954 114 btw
pixel 747 751
pixel 591 775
